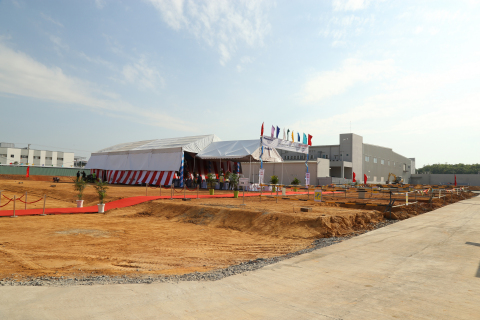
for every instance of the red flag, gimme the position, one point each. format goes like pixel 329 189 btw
pixel 354 175
pixel 365 179
pixel 455 180
pixel 28 172
pixel 261 134
pixel 310 140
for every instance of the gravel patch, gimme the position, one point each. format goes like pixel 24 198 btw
pixel 195 276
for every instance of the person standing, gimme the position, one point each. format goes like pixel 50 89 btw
pixel 78 175
pixel 199 180
pixel 221 180
pixel 84 175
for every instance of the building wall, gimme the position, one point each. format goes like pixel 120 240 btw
pixel 36 157
pixel 446 179
pixel 41 171
pixel 290 171
pixel 377 171
pixel 349 156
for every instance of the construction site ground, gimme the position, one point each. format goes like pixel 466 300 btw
pixel 166 236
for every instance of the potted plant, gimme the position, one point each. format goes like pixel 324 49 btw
pixel 234 181
pixel 101 188
pixel 211 180
pixel 274 180
pixel 79 186
pixel 295 182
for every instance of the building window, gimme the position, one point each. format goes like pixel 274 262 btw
pixel 23 157
pixel 36 157
pixel 60 159
pixel 382 161
pixel 12 156
pixel 3 155
pixel 48 158
pixel 367 159
pixel 347 154
pixel 374 160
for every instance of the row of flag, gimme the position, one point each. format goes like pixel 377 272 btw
pixel 275 133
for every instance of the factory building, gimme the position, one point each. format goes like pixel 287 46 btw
pixel 352 155
pixel 9 155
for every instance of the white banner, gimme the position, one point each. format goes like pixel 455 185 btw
pixel 284 145
pixel 307 178
pixel 261 176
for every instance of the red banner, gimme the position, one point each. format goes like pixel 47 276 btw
pixel 28 172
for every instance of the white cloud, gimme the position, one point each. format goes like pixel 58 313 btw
pixel 50 19
pixel 140 73
pixel 410 106
pixel 100 3
pixel 59 43
pixel 331 83
pixel 349 5
pixel 23 76
pixel 221 24
pixel 339 27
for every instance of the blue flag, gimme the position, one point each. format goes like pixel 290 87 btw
pixel 278 131
pixel 298 136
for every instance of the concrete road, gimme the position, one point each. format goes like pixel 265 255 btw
pixel 422 268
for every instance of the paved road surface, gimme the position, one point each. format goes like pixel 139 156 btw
pixel 422 268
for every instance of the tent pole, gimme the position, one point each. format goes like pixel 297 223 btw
pixel 282 173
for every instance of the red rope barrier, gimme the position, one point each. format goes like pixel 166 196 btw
pixel 178 191
pixel 12 198
pixel 30 202
pixel 6 203
pixel 7 197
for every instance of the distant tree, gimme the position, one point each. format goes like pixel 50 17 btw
pixel 459 168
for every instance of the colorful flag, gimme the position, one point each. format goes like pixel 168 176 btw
pixel 455 180
pixel 304 138
pixel 288 134
pixel 298 136
pixel 310 140
pixel 365 179
pixel 284 136
pixel 293 140
pixel 273 131
pixel 353 179
pixel 261 134
pixel 28 173
pixel 278 132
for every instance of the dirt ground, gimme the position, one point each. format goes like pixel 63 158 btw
pixel 169 236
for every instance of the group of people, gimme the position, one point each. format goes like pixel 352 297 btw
pixel 84 176
pixel 198 180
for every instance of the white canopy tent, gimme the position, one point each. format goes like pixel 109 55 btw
pixel 152 161
pixel 239 150
pixel 155 155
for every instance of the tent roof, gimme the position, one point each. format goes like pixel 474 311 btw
pixel 193 144
pixel 239 150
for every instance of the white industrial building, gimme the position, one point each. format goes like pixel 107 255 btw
pixel 10 155
pixel 353 155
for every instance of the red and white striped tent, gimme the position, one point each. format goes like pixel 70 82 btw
pixel 151 161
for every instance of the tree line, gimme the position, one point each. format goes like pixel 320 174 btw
pixel 459 168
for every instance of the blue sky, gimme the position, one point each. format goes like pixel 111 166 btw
pixel 84 75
